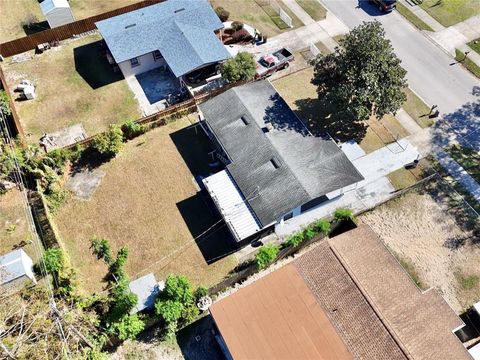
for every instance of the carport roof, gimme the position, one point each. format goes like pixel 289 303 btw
pixel 183 32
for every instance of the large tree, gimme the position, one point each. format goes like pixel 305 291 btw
pixel 363 77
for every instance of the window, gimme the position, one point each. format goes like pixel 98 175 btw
pixel 288 216
pixel 157 55
pixel 134 62
pixel 275 162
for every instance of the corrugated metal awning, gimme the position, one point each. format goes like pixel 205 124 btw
pixel 232 205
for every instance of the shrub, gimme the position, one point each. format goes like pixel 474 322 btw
pixel 237 25
pixel 4 103
pixel 322 226
pixel 266 255
pixel 309 233
pixel 344 214
pixel 295 239
pixel 55 197
pixel 179 288
pixel 200 292
pixel 222 14
pixel 170 310
pixel 131 129
pixel 128 327
pixel 242 67
pixel 110 142
pixel 54 260
pixel 101 249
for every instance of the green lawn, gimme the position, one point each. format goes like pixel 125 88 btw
pixel 468 159
pixel 450 12
pixel 417 109
pixel 322 47
pixel 313 8
pixel 469 64
pixel 475 45
pixel 414 19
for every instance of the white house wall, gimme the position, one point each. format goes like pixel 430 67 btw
pixel 60 16
pixel 147 63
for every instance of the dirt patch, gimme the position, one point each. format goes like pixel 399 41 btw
pixel 84 183
pixel 419 230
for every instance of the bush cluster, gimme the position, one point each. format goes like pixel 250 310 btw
pixel 266 255
pixel 318 227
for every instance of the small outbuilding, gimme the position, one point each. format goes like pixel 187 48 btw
pixel 16 268
pixel 57 12
pixel 147 289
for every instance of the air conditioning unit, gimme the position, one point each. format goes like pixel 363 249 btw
pixel 29 92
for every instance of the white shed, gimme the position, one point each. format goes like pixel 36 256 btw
pixel 16 267
pixel 57 12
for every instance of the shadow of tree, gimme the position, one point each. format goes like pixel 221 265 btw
pixel 34 28
pixel 462 125
pixel 282 117
pixel 321 117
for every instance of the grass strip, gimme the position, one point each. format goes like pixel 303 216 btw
pixel 417 109
pixel 467 63
pixel 414 19
pixel 313 8
pixel 475 45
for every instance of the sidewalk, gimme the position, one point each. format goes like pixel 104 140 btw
pixel 299 12
pixel 423 15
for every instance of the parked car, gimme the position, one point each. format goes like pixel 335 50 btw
pixel 269 64
pixel 384 5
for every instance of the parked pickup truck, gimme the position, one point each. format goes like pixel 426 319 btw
pixel 270 63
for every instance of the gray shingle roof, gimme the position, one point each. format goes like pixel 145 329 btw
pixel 307 166
pixel 182 30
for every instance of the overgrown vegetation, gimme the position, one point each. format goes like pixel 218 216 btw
pixel 318 227
pixel 131 129
pixel 239 68
pixel 471 66
pixel 266 255
pixel 4 103
pixel 176 304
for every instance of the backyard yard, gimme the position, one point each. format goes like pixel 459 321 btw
pixel 154 174
pixel 301 95
pixel 450 12
pixel 14 229
pixel 428 235
pixel 257 13
pixel 74 85
pixel 16 12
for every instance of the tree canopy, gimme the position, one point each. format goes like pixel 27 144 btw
pixel 239 68
pixel 363 77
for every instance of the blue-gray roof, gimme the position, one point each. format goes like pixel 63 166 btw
pixel 182 30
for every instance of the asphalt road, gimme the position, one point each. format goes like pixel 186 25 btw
pixel 429 71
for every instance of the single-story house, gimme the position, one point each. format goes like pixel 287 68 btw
pixel 147 289
pixel 16 268
pixel 275 168
pixel 57 12
pixel 347 298
pixel 176 34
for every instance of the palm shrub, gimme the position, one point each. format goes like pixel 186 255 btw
pixel 344 214
pixel 266 255
pixel 322 226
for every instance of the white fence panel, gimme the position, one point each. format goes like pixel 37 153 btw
pixel 283 15
pixel 314 50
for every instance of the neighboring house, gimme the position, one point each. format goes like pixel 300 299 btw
pixel 147 289
pixel 275 168
pixel 179 34
pixel 347 298
pixel 57 12
pixel 16 268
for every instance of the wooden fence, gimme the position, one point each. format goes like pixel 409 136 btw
pixel 67 31
pixel 161 117
pixel 18 129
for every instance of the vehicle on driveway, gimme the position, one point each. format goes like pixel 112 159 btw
pixel 269 64
pixel 384 5
pixel 200 75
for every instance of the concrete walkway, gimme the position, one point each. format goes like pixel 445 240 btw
pixel 407 122
pixel 301 38
pixel 456 171
pixel 423 15
pixel 299 12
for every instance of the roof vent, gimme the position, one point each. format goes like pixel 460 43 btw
pixel 275 162
pixel 179 10
pixel 245 120
pixel 130 26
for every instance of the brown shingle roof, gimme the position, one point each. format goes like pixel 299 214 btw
pixel 277 317
pixel 359 325
pixel 422 323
